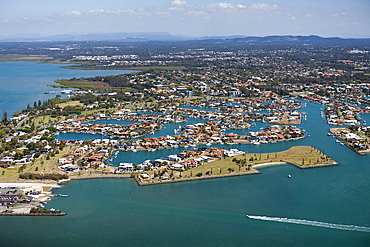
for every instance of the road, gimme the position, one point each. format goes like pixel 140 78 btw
pixel 21 122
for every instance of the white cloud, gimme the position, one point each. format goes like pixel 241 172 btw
pixel 74 12
pixel 263 7
pixel 5 21
pixel 309 15
pixel 95 11
pixel 344 13
pixel 292 18
pixel 163 14
pixel 120 11
pixel 196 13
pixel 176 9
pixel 178 2
pixel 225 5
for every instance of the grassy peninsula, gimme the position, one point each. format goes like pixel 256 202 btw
pixel 243 164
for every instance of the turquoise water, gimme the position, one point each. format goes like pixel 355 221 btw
pixel 23 83
pixel 298 210
pixel 326 206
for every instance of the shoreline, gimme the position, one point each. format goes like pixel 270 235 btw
pixel 252 172
pixel 33 214
pixel 360 152
pixel 197 178
pixel 142 181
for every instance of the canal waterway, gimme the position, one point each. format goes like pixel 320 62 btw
pixel 326 206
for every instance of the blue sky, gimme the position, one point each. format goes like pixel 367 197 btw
pixel 327 18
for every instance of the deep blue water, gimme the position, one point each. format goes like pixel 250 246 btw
pixel 23 83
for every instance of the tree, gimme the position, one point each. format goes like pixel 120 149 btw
pixel 5 116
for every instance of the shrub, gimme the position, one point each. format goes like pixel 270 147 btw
pixel 52 176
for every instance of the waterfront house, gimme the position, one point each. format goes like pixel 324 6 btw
pixel 177 166
pixel 174 157
pixel 7 159
pixel 125 167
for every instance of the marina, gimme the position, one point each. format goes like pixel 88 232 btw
pixel 213 211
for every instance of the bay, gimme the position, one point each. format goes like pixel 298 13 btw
pixel 23 83
pixel 285 212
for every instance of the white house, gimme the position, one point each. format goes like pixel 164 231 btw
pixel 7 159
pixel 125 167
pixel 173 157
pixel 177 166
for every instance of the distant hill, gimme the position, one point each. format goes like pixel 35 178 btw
pixel 126 37
pixel 210 41
pixel 297 40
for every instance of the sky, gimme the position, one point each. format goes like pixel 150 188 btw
pixel 193 18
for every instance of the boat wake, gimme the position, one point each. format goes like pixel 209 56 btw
pixel 312 223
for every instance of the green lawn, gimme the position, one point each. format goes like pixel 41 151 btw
pixel 70 103
pixel 301 156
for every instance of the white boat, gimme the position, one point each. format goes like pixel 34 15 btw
pixel 208 144
pixel 186 146
pixel 289 176
pixel 193 145
pixel 134 150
